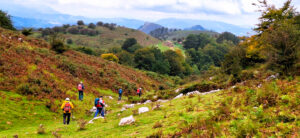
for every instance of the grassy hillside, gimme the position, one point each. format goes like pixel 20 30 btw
pixel 243 111
pixel 185 33
pixel 31 72
pixel 108 38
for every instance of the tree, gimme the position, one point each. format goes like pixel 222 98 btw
pixel 5 21
pixel 99 23
pixel 175 61
pixel 229 37
pixel 144 58
pixel 92 26
pixel 110 57
pixel 279 34
pixel 128 43
pixel 134 48
pixel 196 41
pixel 69 41
pixel 80 22
pixel 126 58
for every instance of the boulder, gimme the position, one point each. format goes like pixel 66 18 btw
pixel 193 93
pixel 272 77
pixel 123 109
pixel 93 110
pixel 162 101
pixel 127 121
pixel 178 96
pixel 143 110
pixel 148 101
pixel 92 121
pixel 212 91
pixel 110 97
pixel 177 90
pixel 127 106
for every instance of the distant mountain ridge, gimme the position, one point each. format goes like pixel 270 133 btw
pixel 196 28
pixel 148 27
pixel 59 19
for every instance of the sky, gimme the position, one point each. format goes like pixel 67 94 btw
pixel 237 12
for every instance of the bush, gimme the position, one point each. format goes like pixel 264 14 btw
pixel 202 87
pixel 157 125
pixel 41 129
pixel 134 99
pixel 110 57
pixel 69 41
pixel 82 124
pixel 57 43
pixel 5 21
pixel 27 32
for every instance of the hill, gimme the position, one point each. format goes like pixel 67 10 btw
pixel 196 27
pixel 105 37
pixel 148 27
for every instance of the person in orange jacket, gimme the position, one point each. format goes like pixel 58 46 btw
pixel 67 106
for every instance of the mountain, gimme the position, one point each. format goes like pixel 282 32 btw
pixel 196 27
pixel 209 25
pixel 148 27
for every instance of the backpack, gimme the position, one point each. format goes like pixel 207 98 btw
pixel 67 107
pixel 120 91
pixel 138 90
pixel 100 104
pixel 79 87
pixel 96 101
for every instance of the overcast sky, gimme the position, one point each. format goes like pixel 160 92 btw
pixel 238 12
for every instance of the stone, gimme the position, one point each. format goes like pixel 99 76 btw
pixel 110 97
pixel 178 96
pixel 148 101
pixel 193 93
pixel 93 110
pixel 177 90
pixel 123 109
pixel 127 121
pixel 143 110
pixel 127 106
pixel 162 101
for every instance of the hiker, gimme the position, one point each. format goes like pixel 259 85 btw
pixel 120 93
pixel 80 88
pixel 138 91
pixel 99 103
pixel 67 106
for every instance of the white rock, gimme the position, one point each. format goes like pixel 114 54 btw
pixel 162 101
pixel 127 106
pixel 92 121
pixel 177 90
pixel 93 110
pixel 138 103
pixel 259 85
pixel 143 110
pixel 178 96
pixel 210 78
pixel 123 109
pixel 126 121
pixel 212 91
pixel 156 106
pixel 148 101
pixel 272 77
pixel 110 97
pixel 20 39
pixel 193 93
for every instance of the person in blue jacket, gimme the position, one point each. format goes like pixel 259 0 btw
pixel 120 93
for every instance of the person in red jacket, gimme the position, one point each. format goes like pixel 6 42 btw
pixel 100 104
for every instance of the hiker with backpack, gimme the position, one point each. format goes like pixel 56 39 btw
pixel 120 93
pixel 99 104
pixel 67 106
pixel 139 91
pixel 80 88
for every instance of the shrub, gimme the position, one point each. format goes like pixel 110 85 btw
pixel 202 87
pixel 41 129
pixel 57 43
pixel 157 134
pixel 135 112
pixel 82 124
pixel 110 57
pixel 69 41
pixel 157 125
pixel 73 30
pixel 27 32
pixel 134 99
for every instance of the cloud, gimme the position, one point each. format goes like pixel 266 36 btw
pixel 239 12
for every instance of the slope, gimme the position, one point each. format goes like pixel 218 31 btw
pixel 107 37
pixel 148 27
